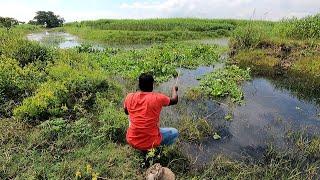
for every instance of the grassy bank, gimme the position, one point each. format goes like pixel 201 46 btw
pixel 152 30
pixel 289 50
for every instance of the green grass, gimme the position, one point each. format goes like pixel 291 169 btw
pixel 152 30
pixel 123 37
pixel 158 24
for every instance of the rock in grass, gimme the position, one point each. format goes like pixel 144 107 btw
pixel 157 172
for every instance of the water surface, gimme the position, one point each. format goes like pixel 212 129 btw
pixel 266 116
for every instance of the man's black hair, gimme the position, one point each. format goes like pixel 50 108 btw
pixel 146 82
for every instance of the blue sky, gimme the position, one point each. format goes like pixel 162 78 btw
pixel 73 10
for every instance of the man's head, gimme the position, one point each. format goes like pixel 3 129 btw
pixel 146 82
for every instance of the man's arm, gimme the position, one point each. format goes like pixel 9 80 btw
pixel 174 97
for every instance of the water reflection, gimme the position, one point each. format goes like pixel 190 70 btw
pixel 268 113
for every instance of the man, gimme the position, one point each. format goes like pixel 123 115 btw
pixel 143 108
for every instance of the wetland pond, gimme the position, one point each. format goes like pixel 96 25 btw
pixel 267 114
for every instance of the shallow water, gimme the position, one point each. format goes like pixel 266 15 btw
pixel 266 116
pixel 218 41
pixel 65 40
pixel 59 39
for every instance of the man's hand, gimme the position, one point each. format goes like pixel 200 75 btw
pixel 174 97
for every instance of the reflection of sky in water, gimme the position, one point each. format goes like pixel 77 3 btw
pixel 267 114
pixel 59 39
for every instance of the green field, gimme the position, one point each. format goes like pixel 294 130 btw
pixel 61 114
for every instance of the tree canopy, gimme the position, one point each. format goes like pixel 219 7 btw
pixel 48 19
pixel 8 22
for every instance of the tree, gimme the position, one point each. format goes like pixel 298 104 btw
pixel 48 19
pixel 8 22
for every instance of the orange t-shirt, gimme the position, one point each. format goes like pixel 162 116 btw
pixel 144 111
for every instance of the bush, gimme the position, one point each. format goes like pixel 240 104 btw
pixel 48 100
pixel 69 92
pixel 28 52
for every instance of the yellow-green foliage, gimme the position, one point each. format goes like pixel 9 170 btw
pixel 57 149
pixel 135 37
pixel 309 66
pixel 313 149
pixel 195 130
pixel 48 99
pixel 10 74
pixel 193 94
pixel 257 60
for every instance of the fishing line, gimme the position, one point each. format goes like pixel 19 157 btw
pixel 179 72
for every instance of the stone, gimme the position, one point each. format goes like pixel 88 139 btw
pixel 157 172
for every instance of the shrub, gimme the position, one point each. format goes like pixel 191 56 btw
pixel 48 100
pixel 16 83
pixel 28 52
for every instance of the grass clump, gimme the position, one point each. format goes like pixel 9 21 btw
pixel 195 130
pixel 225 83
pixel 193 94
pixel 257 60
pixel 248 37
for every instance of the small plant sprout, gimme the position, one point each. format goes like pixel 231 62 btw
pixel 216 136
pixel 228 117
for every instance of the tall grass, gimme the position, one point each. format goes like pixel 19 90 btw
pixel 305 28
pixel 158 24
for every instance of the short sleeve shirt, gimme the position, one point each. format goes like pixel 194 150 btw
pixel 144 111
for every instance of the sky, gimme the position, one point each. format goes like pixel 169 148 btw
pixel 77 10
